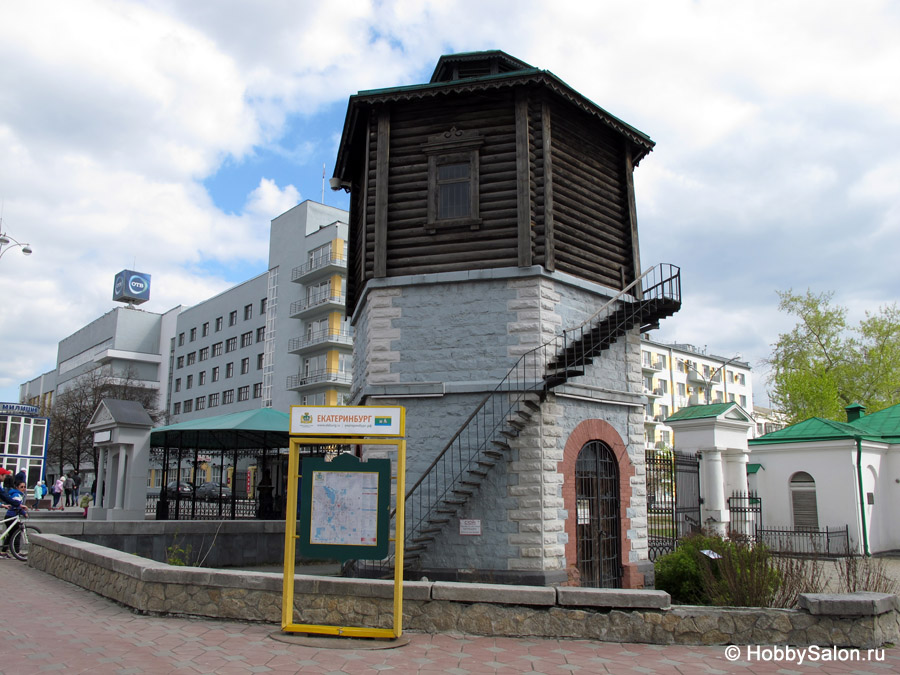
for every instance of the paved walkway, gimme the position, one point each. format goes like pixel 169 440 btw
pixel 49 625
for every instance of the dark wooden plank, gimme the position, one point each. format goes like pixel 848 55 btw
pixel 523 181
pixel 547 168
pixel 381 191
pixel 632 219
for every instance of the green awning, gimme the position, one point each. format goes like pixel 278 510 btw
pixel 250 429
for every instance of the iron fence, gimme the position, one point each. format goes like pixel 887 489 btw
pixel 831 542
pixel 187 508
pixel 746 515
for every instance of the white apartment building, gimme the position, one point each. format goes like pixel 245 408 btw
pixel 276 340
pixel 680 375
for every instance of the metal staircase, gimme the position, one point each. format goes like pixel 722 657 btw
pixel 483 440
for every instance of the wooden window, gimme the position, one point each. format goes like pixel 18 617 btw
pixel 453 180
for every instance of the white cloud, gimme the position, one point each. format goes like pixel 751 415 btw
pixel 777 125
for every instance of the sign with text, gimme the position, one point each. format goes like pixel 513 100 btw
pixel 469 527
pixel 131 287
pixel 311 420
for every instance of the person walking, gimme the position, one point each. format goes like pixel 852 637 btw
pixel 77 478
pixel 69 488
pixel 56 491
pixel 39 490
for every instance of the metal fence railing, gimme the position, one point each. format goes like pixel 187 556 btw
pixel 830 542
pixel 197 509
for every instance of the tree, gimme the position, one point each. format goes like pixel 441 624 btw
pixel 70 441
pixel 823 365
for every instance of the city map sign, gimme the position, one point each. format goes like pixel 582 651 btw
pixel 345 508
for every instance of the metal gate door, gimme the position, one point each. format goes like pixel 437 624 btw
pixel 597 528
pixel 687 494
pixel 673 499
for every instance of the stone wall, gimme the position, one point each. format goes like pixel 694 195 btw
pixel 862 620
pixel 227 543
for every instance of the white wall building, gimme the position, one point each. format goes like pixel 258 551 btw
pixel 820 474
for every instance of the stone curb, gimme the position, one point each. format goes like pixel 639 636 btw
pixel 613 598
pixel 495 594
pixel 849 604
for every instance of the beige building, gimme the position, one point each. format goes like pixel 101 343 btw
pixel 680 375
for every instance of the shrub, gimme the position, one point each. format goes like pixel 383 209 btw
pixel 862 573
pixel 679 573
pixel 744 574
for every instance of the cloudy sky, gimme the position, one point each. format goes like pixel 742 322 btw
pixel 163 136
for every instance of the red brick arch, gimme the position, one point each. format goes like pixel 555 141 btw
pixel 584 433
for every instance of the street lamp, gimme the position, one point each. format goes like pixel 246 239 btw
pixel 709 382
pixel 7 243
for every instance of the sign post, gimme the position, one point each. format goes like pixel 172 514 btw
pixel 344 504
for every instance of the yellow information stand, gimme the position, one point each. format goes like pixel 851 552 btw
pixel 331 425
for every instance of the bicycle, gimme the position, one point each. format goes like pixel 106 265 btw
pixel 17 537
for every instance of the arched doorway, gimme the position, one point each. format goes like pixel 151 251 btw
pixel 599 557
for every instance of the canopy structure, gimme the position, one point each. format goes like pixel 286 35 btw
pixel 251 429
pixel 220 441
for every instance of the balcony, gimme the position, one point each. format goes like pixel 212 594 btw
pixel 653 393
pixel 316 303
pixel 704 378
pixel 652 365
pixel 319 266
pixel 325 337
pixel 317 378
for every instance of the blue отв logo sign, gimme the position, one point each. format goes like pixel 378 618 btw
pixel 137 284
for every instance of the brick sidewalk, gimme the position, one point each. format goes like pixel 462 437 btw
pixel 49 625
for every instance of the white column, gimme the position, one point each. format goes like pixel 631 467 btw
pixel 714 510
pixel 120 478
pixel 101 475
pixel 736 471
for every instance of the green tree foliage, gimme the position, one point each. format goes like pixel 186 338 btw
pixel 823 364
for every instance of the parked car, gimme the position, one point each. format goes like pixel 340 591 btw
pixel 185 490
pixel 211 491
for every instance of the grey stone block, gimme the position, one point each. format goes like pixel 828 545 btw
pixel 613 598
pixel 863 603
pixel 498 594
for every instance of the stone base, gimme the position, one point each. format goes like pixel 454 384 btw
pixel 505 577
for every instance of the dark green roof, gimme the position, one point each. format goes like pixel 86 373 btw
pixel 884 423
pixel 880 426
pixel 754 468
pixel 696 412
pixel 260 428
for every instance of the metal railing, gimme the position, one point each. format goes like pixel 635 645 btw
pixel 187 508
pixel 458 469
pixel 317 300
pixel 295 381
pixel 342 336
pixel 831 542
pixel 318 263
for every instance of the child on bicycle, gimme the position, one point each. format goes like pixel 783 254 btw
pixel 17 505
